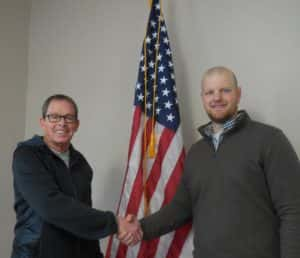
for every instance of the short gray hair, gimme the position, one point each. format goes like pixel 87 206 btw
pixel 58 97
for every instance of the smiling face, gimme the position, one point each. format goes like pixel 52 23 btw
pixel 58 135
pixel 220 96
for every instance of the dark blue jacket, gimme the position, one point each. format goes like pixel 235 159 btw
pixel 53 205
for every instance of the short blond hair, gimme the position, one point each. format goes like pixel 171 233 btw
pixel 220 70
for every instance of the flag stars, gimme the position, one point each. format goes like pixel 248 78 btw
pixel 156 99
pixel 157 6
pixel 161 68
pixel 154 35
pixel 168 104
pixel 153 24
pixel 163 28
pixel 156 46
pixel 173 76
pixel 170 64
pixel 151 64
pixel 168 52
pixel 138 86
pixel 165 92
pixel 170 117
pixel 148 40
pixel 166 40
pixel 158 110
pixel 142 58
pixel 140 97
pixel 163 80
pixel 149 105
pixel 159 57
pixel 143 68
pixel 153 76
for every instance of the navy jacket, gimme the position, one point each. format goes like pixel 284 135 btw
pixel 53 205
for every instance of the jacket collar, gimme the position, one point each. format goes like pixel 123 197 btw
pixel 230 126
pixel 38 141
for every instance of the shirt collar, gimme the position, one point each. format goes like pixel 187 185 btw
pixel 233 123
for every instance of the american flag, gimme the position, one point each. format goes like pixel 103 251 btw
pixel 150 181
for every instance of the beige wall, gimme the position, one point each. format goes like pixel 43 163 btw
pixel 90 50
pixel 14 22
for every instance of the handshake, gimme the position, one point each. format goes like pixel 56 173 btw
pixel 129 230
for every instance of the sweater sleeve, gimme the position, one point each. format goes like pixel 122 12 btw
pixel 170 217
pixel 283 176
pixel 39 189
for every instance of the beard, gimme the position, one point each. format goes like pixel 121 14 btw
pixel 222 119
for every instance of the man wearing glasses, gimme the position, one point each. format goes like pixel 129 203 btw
pixel 52 184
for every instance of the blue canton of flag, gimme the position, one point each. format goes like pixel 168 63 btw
pixel 156 67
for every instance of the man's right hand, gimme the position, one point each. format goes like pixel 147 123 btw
pixel 129 230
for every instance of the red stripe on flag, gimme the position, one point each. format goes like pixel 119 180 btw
pixel 164 143
pixel 148 249
pixel 180 236
pixel 137 189
pixel 174 179
pixel 135 128
pixel 134 131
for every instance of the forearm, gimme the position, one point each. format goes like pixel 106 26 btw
pixel 41 192
pixel 167 219
pixel 170 217
pixel 78 218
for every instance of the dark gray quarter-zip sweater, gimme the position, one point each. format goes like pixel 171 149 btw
pixel 243 199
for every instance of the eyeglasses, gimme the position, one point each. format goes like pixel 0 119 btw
pixel 55 118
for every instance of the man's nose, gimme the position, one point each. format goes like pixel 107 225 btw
pixel 62 121
pixel 217 95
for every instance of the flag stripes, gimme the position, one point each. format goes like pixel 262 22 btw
pixel 153 180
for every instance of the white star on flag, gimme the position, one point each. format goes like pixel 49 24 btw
pixel 168 104
pixel 149 105
pixel 166 41
pixel 170 117
pixel 166 92
pixel 141 97
pixel 148 40
pixel 161 68
pixel 163 80
pixel 151 64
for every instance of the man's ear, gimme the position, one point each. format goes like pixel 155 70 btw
pixel 42 122
pixel 239 92
pixel 77 125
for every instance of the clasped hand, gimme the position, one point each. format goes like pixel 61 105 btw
pixel 129 230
